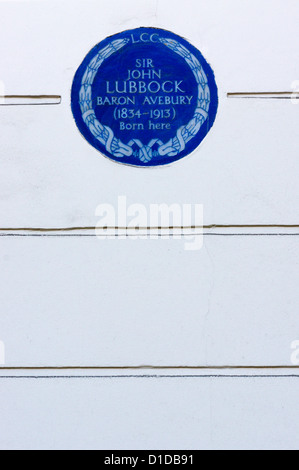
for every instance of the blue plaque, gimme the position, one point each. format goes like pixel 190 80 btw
pixel 144 97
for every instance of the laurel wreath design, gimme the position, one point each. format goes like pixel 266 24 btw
pixel 145 153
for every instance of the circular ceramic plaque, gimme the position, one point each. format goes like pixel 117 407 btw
pixel 144 97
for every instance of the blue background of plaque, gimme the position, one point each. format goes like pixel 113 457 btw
pixel 174 68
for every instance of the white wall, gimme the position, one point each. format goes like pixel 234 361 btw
pixel 76 301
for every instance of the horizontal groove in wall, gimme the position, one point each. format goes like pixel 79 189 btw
pixel 149 376
pixel 282 95
pixel 150 372
pixel 29 100
pixel 199 368
pixel 154 232
pixel 195 227
pixel 23 100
